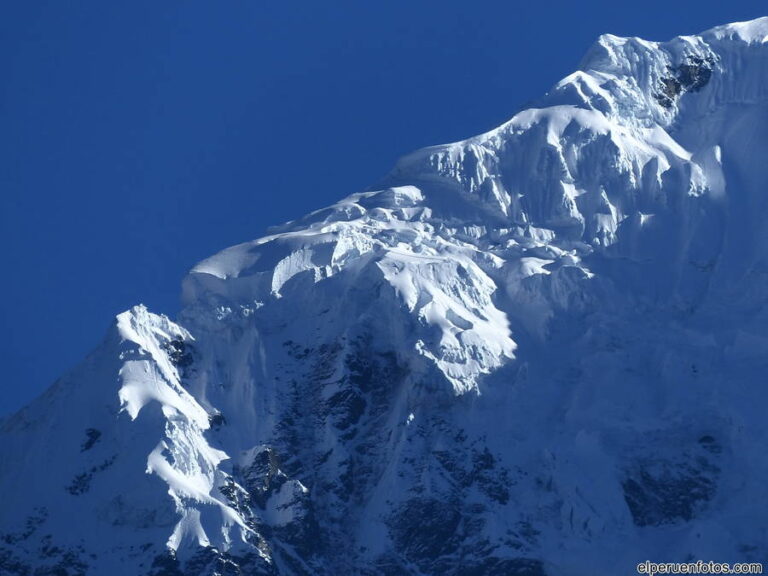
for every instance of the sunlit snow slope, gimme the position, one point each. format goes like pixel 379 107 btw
pixel 539 351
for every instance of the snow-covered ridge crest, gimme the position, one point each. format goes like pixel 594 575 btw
pixel 126 453
pixel 611 143
pixel 596 158
pixel 752 31
pixel 154 353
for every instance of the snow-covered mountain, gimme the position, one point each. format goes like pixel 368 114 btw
pixel 538 351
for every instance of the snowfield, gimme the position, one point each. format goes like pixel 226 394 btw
pixel 538 351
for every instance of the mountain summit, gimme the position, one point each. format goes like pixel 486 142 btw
pixel 538 351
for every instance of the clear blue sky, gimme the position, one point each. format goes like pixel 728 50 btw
pixel 137 138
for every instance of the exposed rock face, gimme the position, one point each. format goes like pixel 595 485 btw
pixel 690 76
pixel 539 351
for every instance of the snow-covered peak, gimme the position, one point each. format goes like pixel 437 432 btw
pixel 714 63
pixel 606 151
pixel 533 351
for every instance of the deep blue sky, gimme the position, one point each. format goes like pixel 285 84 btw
pixel 137 138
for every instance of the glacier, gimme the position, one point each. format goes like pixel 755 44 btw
pixel 538 351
